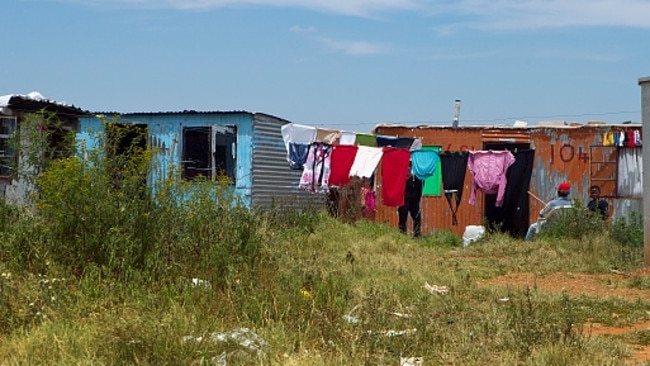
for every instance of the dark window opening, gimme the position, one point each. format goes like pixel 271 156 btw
pixel 61 142
pixel 125 143
pixel 7 156
pixel 125 139
pixel 210 152
pixel 196 152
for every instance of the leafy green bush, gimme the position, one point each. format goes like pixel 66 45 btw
pixel 573 223
pixel 628 231
pixel 97 211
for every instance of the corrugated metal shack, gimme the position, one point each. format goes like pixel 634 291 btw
pixel 546 155
pixel 246 148
pixel 14 109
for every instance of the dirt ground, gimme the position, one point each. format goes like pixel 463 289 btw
pixel 605 285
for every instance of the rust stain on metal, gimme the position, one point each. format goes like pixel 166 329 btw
pixel 562 153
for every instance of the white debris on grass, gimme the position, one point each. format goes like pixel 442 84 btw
pixel 394 333
pixel 400 315
pixel 472 233
pixel 247 341
pixel 350 319
pixel 411 361
pixel 201 283
pixel 435 289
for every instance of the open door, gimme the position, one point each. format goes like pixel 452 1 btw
pixel 513 216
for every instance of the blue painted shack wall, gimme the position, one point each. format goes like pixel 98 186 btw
pixel 165 135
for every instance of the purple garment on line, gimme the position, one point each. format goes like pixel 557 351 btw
pixel 488 169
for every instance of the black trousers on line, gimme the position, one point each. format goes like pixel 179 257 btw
pixel 411 207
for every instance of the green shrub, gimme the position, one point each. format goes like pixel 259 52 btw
pixel 97 212
pixel 573 223
pixel 628 231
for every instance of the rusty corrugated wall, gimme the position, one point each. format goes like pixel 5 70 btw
pixel 573 153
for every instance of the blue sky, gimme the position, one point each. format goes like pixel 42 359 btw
pixel 343 64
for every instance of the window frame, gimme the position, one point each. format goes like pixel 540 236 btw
pixel 220 148
pixel 610 185
pixel 8 152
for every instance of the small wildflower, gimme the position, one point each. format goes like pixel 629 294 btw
pixel 305 293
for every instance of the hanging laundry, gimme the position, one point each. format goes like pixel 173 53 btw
pixel 297 155
pixel 365 139
pixel 327 136
pixel 416 145
pixel 608 138
pixel 368 200
pixel 611 137
pixel 366 161
pixel 347 138
pixel 297 139
pixel 424 163
pixel 621 139
pixel 489 169
pixel 637 137
pixel 630 140
pixel 397 142
pixel 453 166
pixel 315 175
pixel 395 165
pixel 343 157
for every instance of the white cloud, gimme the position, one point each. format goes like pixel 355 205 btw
pixel 346 47
pixel 362 8
pixel 484 14
pixel 563 53
pixel 535 14
pixel 300 29
pixel 355 47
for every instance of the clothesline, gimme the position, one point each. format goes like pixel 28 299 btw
pixel 329 158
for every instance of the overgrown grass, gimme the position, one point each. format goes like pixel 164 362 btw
pixel 106 274
pixel 321 293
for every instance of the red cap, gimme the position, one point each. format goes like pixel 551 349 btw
pixel 564 187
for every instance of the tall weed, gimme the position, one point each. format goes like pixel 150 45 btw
pixel 574 223
pixel 628 231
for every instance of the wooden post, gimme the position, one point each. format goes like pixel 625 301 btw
pixel 645 120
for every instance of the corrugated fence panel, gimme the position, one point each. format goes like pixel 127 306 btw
pixel 436 212
pixel 561 153
pixel 274 183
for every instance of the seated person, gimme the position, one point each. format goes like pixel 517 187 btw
pixel 597 204
pixel 562 199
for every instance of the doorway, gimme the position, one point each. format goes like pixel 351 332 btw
pixel 513 216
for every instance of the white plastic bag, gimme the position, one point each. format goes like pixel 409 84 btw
pixel 472 233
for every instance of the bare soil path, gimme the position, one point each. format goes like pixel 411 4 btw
pixel 600 285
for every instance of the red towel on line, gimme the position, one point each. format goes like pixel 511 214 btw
pixel 342 160
pixel 394 171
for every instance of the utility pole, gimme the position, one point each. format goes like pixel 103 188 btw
pixel 456 113
pixel 645 120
